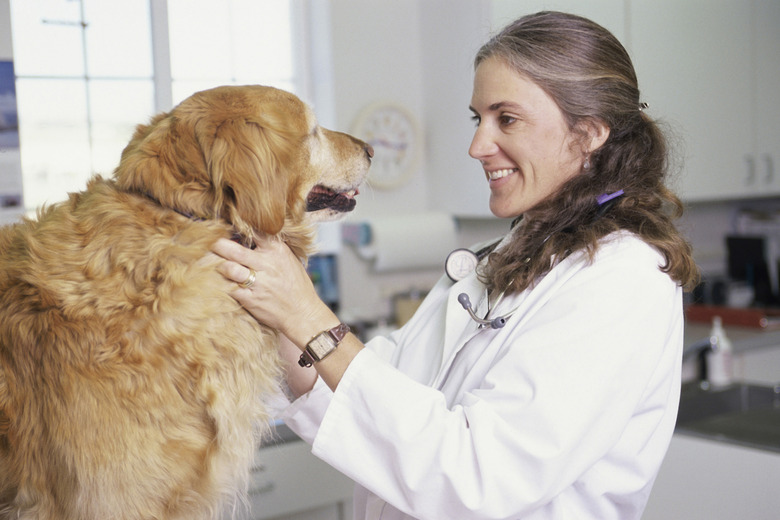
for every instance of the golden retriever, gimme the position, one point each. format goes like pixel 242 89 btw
pixel 131 383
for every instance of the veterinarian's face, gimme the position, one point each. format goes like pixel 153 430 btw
pixel 522 140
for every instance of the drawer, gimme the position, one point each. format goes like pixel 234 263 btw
pixel 287 478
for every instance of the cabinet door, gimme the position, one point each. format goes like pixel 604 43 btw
pixel 287 479
pixel 705 479
pixel 767 106
pixel 693 61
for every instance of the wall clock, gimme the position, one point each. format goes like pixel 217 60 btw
pixel 394 134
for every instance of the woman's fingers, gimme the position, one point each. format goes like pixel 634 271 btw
pixel 232 251
pixel 241 264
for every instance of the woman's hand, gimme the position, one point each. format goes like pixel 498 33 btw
pixel 282 295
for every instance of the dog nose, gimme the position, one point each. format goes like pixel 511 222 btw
pixel 369 150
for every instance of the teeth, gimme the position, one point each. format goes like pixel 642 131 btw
pixel 500 174
pixel 351 193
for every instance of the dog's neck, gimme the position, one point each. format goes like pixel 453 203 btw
pixel 157 202
pixel 185 214
pixel 236 237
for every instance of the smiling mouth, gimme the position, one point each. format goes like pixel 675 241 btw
pixel 500 174
pixel 321 197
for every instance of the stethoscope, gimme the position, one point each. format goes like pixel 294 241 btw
pixel 462 262
pixel 459 264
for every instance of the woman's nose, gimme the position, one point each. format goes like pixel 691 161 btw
pixel 481 145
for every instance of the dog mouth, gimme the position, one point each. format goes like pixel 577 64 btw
pixel 322 197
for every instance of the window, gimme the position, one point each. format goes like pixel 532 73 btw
pixel 89 71
pixel 230 41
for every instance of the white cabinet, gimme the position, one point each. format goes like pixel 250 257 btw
pixel 710 69
pixel 708 480
pixel 766 108
pixel 288 482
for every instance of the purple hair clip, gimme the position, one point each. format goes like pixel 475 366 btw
pixel 606 197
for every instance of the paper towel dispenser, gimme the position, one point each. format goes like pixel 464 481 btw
pixel 403 242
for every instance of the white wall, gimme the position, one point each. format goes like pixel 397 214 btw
pixel 6 49
pixel 10 161
pixel 386 51
pixel 377 56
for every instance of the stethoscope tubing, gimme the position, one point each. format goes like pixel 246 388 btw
pixel 493 323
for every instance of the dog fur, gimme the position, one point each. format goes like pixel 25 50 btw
pixel 131 383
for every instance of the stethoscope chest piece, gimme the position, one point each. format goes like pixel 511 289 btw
pixel 460 263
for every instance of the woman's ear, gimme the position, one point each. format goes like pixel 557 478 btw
pixel 596 133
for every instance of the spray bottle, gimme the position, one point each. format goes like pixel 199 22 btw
pixel 720 370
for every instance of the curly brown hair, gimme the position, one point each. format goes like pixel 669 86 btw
pixel 589 74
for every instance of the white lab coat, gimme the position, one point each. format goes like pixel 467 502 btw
pixel 566 412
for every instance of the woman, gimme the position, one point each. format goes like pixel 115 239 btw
pixel 567 410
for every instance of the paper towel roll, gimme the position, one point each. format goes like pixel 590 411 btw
pixel 412 241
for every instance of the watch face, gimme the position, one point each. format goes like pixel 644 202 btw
pixel 321 345
pixel 392 132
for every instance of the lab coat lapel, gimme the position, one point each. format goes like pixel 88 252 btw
pixel 459 327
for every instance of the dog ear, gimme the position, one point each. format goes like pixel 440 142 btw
pixel 246 161
pixel 150 162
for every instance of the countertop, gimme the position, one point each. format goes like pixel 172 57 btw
pixel 742 338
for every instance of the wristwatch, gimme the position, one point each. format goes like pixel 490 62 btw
pixel 323 344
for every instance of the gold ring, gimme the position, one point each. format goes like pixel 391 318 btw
pixel 250 280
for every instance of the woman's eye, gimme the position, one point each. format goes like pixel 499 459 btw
pixel 476 120
pixel 506 119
